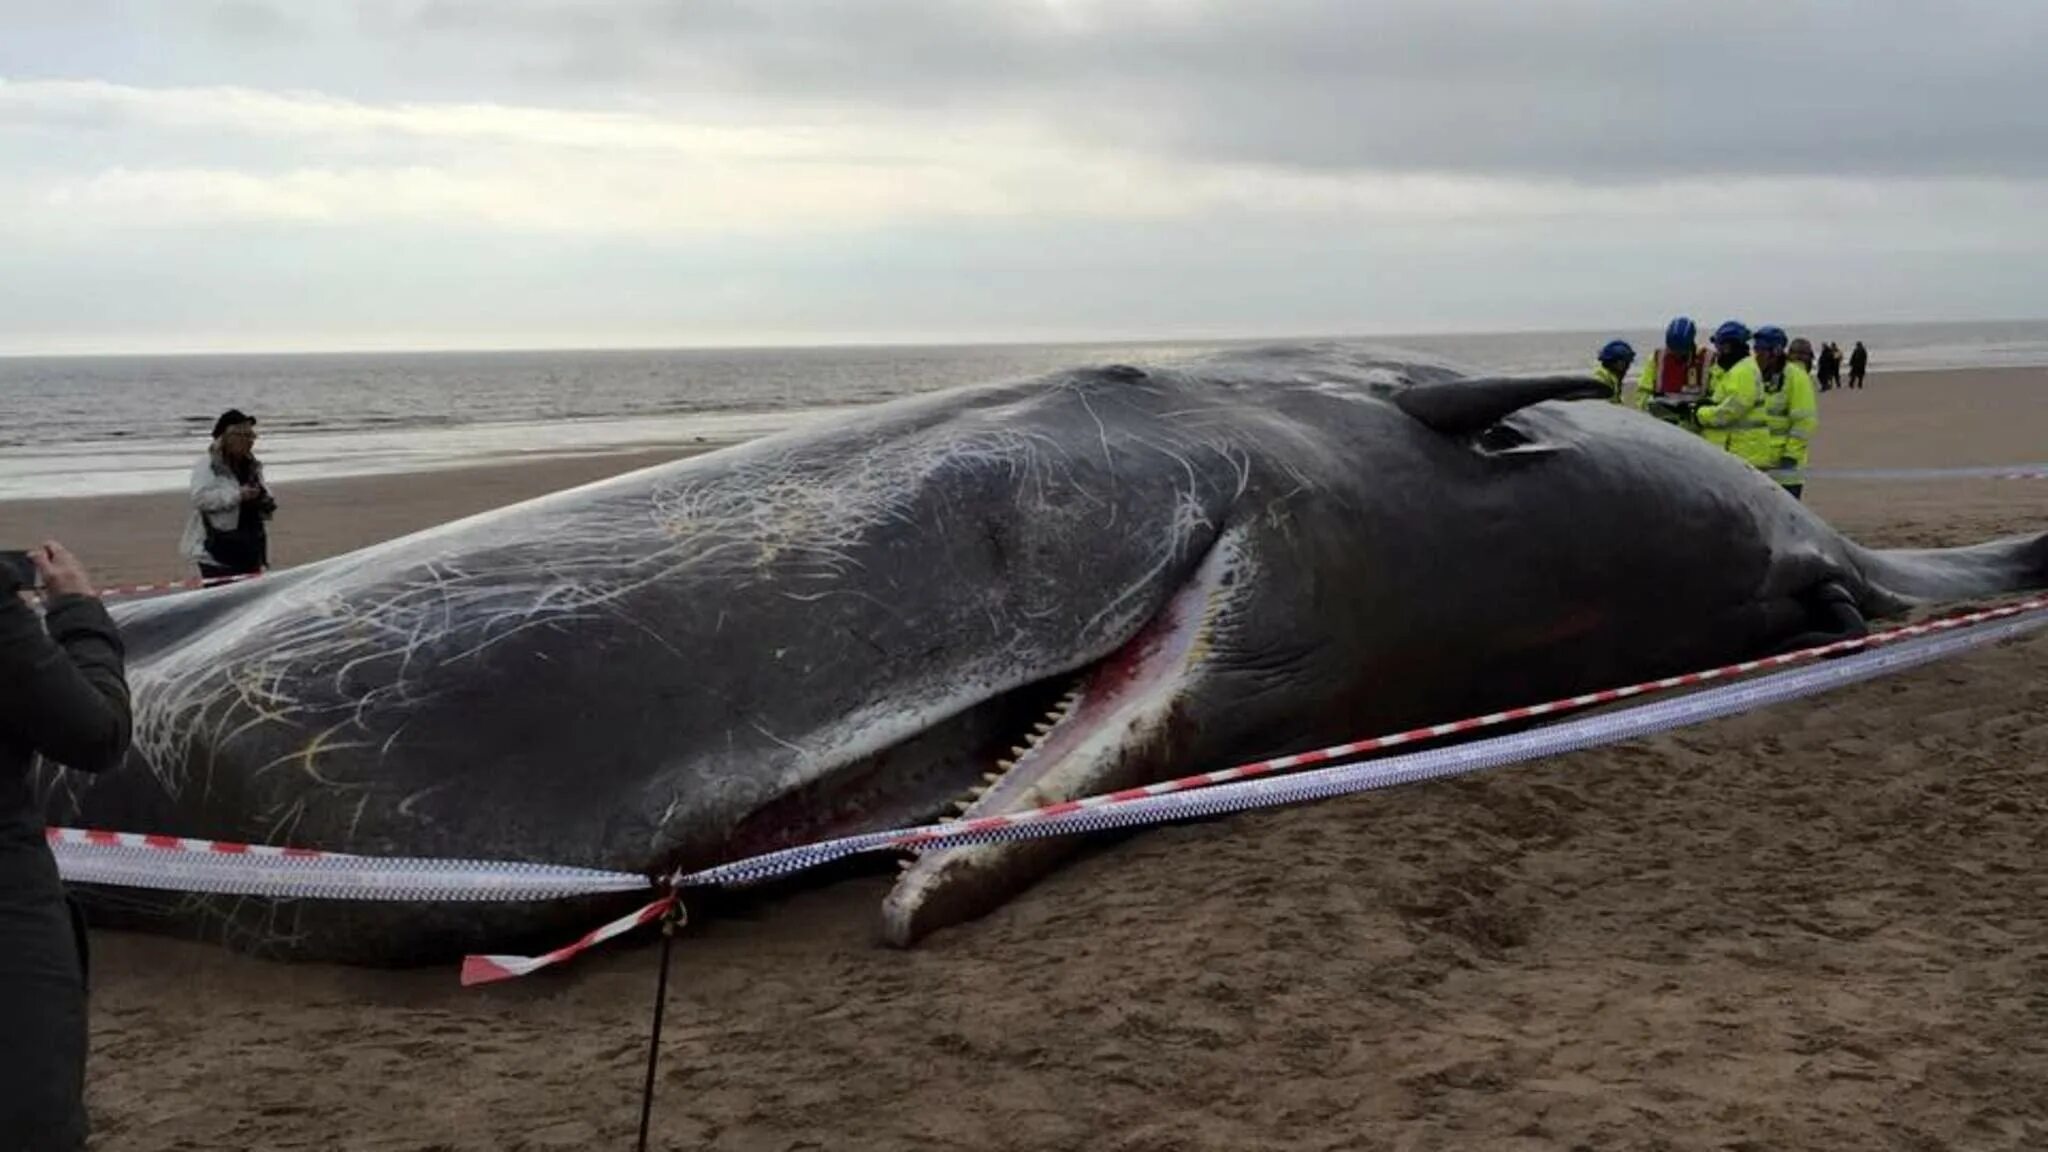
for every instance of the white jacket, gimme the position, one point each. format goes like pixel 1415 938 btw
pixel 216 495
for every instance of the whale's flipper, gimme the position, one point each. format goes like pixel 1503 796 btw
pixel 1830 616
pixel 1463 407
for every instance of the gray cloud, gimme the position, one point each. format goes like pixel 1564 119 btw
pixel 250 20
pixel 317 172
pixel 1598 89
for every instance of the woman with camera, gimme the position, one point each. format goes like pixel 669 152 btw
pixel 64 701
pixel 226 531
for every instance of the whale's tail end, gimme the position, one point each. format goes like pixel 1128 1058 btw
pixel 1913 576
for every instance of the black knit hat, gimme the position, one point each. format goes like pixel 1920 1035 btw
pixel 230 418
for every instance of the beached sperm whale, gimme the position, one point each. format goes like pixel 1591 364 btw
pixel 1003 594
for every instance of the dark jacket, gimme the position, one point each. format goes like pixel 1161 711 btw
pixel 62 697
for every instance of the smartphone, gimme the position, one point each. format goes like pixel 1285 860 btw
pixel 15 563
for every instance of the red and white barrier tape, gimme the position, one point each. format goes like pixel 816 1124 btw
pixel 1158 801
pixel 125 591
pixel 1974 472
pixel 212 866
pixel 1493 719
pixel 490 969
pixel 178 864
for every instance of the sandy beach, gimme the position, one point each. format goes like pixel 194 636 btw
pixel 1823 925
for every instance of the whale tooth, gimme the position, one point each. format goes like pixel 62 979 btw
pixel 991 777
pixel 1005 765
pixel 1041 728
pixel 1019 751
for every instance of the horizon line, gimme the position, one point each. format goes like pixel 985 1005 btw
pixel 401 349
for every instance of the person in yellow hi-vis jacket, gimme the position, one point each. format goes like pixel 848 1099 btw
pixel 1614 358
pixel 1674 380
pixel 1677 371
pixel 1731 346
pixel 1792 404
pixel 1733 416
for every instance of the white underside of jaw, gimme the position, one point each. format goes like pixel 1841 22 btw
pixel 1094 741
pixel 1115 705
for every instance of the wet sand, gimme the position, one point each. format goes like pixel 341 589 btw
pixel 1823 925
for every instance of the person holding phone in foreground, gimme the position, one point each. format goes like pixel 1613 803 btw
pixel 63 699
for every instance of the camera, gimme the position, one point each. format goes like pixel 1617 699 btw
pixel 17 569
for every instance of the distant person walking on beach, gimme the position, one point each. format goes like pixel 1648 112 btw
pixel 1859 360
pixel 226 532
pixel 1830 366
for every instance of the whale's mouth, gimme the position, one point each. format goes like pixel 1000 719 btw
pixel 1125 720
pixel 1123 723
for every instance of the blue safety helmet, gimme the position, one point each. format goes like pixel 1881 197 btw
pixel 1732 332
pixel 1616 350
pixel 1680 334
pixel 1770 336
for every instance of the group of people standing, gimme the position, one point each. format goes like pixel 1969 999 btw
pixel 1752 393
pixel 1831 366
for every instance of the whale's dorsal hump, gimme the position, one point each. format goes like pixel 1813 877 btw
pixel 1463 407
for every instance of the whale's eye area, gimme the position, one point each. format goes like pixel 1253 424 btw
pixel 1502 438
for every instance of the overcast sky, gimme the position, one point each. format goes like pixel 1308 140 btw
pixel 234 174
